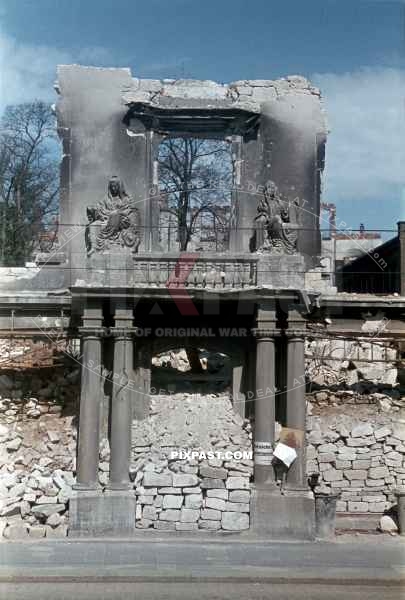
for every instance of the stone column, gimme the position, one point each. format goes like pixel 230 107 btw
pixel 91 395
pixel 121 403
pixel 238 396
pixel 296 402
pixel 264 408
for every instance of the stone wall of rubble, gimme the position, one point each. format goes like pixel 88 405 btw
pixel 356 442
pixel 212 490
pixel 38 411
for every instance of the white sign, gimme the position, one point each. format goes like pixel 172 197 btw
pixel 263 453
pixel 286 454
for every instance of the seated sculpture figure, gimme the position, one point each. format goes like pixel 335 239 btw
pixel 276 223
pixel 112 222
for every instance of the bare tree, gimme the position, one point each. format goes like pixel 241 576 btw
pixel 195 177
pixel 28 178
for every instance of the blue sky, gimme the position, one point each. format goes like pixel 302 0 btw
pixel 352 49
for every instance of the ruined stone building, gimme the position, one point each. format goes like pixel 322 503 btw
pixel 209 350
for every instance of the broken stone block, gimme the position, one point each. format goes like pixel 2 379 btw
pixel 210 525
pixel 345 453
pixel 47 500
pixel 184 480
pixel 189 515
pixel 186 526
pixel 332 475
pixel 54 436
pixel 341 506
pixel 376 507
pixel 210 514
pixel 170 515
pixel 169 490
pixel 237 507
pixel 327 448
pixel 359 442
pixel 378 472
pixel 44 511
pixel 239 496
pixel 16 531
pixel 10 510
pixel 14 445
pixel 171 501
pixel 215 503
pixel 357 474
pixel 193 501
pixel 362 430
pixel 213 473
pixel 237 483
pixel 212 484
pixel 327 457
pixel 375 483
pixel 17 491
pixel 165 525
pixel 37 532
pixel 382 432
pixel 357 506
pixel 151 479
pixel 145 500
pixel 343 464
pixel 192 490
pixel 361 464
pixel 235 521
pixel 54 520
pixel 149 512
pixel 57 532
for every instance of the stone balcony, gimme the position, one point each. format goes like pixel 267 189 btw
pixel 195 270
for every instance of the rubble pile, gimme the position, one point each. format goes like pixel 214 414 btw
pixel 37 451
pixel 357 445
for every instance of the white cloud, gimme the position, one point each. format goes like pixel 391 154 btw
pixel 27 72
pixel 365 149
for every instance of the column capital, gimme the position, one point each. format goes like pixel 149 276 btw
pixel 296 334
pixel 126 333
pixel 92 332
pixel 262 333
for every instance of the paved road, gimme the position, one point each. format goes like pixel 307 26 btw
pixel 202 591
pixel 371 569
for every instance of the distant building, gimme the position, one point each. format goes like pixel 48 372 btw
pixel 377 271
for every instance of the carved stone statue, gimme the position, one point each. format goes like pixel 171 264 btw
pixel 276 223
pixel 113 222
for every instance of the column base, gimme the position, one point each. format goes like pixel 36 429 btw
pixel 87 487
pixel 118 487
pixel 97 513
pixel 282 516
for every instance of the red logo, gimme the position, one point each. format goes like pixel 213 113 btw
pixel 176 284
